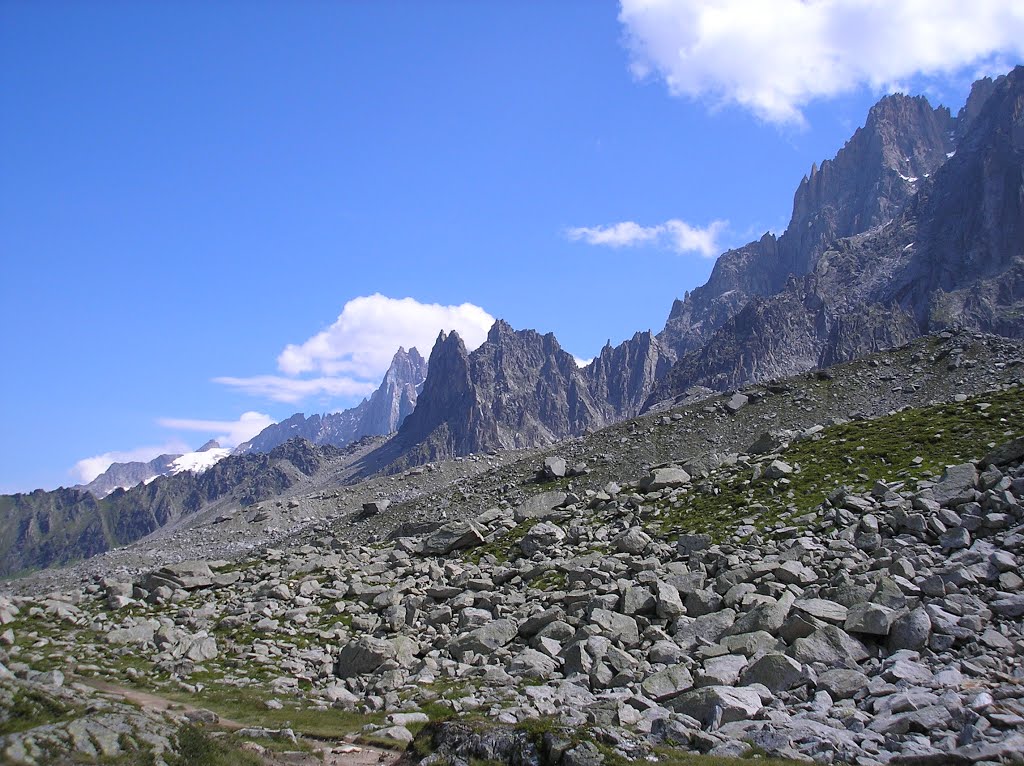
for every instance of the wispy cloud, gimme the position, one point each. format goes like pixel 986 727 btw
pixel 292 390
pixel 775 58
pixel 230 433
pixel 674 235
pixel 349 358
pixel 89 468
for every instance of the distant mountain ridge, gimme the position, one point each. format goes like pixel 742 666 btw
pixel 128 475
pixel 42 528
pixel 381 414
pixel 915 225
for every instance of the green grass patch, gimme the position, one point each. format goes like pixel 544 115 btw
pixel 248 706
pixel 196 748
pixel 909 446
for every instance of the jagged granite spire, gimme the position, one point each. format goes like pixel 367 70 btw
pixel 518 389
pixel 945 248
pixel 381 414
pixel 869 182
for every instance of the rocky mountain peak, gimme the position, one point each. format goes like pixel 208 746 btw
pixel 869 182
pixel 212 444
pixel 621 377
pixel 518 389
pixel 381 414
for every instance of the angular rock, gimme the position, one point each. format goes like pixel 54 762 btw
pixel 363 655
pixel 541 537
pixel 956 485
pixel 554 468
pixel 633 541
pixel 667 683
pixel 841 683
pixel 618 627
pixel 723 703
pixel 453 536
pixel 776 671
pixel 870 619
pixel 485 639
pixel 828 645
pixel 665 478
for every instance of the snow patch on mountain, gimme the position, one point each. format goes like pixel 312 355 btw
pixel 197 462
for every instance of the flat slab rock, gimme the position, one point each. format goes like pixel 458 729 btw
pixel 703 704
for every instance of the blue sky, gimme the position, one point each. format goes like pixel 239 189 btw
pixel 193 193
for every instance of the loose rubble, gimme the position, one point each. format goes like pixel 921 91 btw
pixel 883 625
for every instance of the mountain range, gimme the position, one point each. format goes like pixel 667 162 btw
pixel 916 225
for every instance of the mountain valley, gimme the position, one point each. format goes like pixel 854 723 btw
pixel 789 526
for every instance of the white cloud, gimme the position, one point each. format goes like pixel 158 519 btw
pixel 370 329
pixel 293 390
pixel 350 357
pixel 89 468
pixel 775 57
pixel 624 234
pixel 673 234
pixel 230 433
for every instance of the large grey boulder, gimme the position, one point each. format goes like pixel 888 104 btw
pixel 541 537
pixel 829 645
pixel 956 485
pixel 669 604
pixel 822 609
pixel 484 639
pixel 665 478
pixel 689 632
pixel 911 631
pixel 723 670
pixel 767 616
pixel 633 541
pixel 532 664
pixel 375 507
pixel 737 402
pixel 1009 606
pixel 618 627
pixel 554 468
pixel 667 683
pixel 1007 452
pixel 776 671
pixel 363 655
pixel 717 704
pixel 842 683
pixel 539 506
pixel 453 536
pixel 871 619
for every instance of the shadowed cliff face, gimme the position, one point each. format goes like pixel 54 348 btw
pixel 518 389
pixel 946 251
pixel 870 181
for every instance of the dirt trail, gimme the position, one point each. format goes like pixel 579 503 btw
pixel 325 753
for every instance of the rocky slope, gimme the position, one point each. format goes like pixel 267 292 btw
pixel 825 567
pixel 381 414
